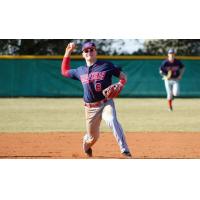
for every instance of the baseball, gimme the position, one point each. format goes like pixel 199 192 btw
pixel 72 45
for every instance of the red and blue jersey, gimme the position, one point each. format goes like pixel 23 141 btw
pixel 94 79
pixel 174 66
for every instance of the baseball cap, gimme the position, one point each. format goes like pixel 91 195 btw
pixel 88 45
pixel 170 51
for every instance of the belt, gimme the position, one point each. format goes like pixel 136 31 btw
pixel 95 104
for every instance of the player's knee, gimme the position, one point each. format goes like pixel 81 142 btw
pixel 110 121
pixel 176 93
pixel 107 118
pixel 169 96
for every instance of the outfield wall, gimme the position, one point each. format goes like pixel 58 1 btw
pixel 39 76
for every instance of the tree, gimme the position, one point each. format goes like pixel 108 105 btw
pixel 33 47
pixel 52 46
pixel 187 47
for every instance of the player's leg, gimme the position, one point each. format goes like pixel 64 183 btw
pixel 169 90
pixel 110 117
pixel 93 120
pixel 176 88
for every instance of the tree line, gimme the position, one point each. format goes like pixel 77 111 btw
pixel 188 47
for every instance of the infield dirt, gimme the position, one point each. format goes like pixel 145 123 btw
pixel 62 145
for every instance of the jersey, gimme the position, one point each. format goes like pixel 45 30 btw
pixel 174 66
pixel 94 79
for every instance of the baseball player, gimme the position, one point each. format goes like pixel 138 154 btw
pixel 95 76
pixel 172 70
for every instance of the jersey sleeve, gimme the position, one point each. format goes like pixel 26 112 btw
pixel 163 70
pixel 73 73
pixel 115 70
pixel 66 70
pixel 181 65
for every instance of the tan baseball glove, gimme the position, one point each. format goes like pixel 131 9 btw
pixel 168 76
pixel 113 90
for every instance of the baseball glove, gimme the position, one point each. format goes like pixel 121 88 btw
pixel 113 90
pixel 168 76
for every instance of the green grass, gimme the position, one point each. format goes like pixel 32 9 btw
pixel 67 114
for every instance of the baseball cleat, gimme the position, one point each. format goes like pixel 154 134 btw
pixel 89 152
pixel 127 154
pixel 170 109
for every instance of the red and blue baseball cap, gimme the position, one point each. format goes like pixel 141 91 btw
pixel 171 51
pixel 88 45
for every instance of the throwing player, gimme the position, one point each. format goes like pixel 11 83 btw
pixel 172 70
pixel 95 76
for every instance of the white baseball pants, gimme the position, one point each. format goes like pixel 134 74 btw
pixel 93 119
pixel 172 88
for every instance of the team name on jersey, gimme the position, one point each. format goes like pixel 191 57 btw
pixel 173 68
pixel 94 76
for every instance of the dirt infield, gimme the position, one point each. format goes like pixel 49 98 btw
pixel 68 145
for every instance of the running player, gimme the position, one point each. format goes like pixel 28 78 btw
pixel 172 70
pixel 95 76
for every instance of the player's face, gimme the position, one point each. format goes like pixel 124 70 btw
pixel 171 56
pixel 89 54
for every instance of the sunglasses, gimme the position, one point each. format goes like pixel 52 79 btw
pixel 88 50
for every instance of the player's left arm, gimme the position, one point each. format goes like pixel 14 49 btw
pixel 182 70
pixel 117 72
pixel 122 78
pixel 114 90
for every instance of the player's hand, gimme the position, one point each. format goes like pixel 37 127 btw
pixel 70 47
pixel 113 90
pixel 168 76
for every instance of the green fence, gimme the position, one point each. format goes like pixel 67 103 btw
pixel 42 78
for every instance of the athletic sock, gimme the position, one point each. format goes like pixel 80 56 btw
pixel 170 103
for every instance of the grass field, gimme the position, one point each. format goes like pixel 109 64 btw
pixel 67 114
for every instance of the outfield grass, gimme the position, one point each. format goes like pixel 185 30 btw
pixel 67 114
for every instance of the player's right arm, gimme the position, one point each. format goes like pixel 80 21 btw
pixel 162 69
pixel 65 67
